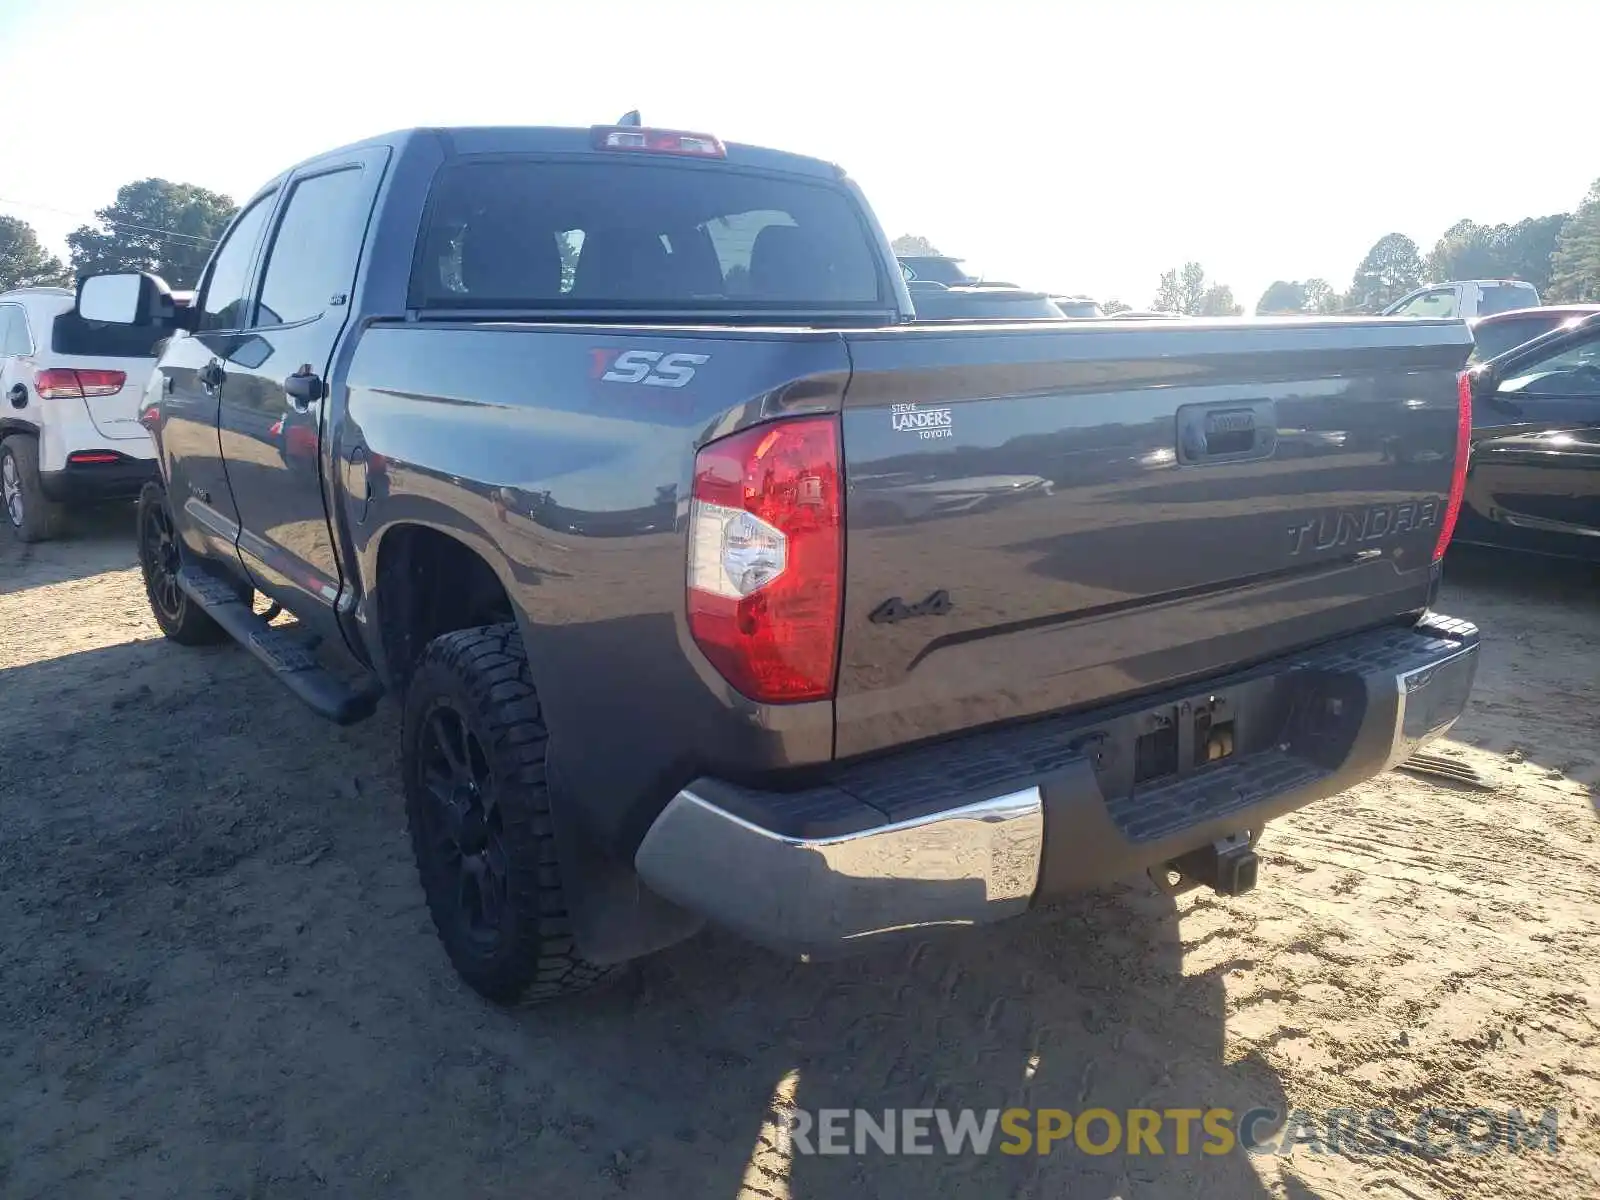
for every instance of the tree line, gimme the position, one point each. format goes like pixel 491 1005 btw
pixel 1559 254
pixel 153 225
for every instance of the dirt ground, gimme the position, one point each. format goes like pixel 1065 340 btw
pixel 217 977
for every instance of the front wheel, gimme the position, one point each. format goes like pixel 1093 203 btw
pixel 478 806
pixel 176 612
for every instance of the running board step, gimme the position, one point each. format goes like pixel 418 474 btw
pixel 291 663
pixel 1437 766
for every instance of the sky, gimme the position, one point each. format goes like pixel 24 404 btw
pixel 1073 146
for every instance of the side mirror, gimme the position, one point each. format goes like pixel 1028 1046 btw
pixel 125 298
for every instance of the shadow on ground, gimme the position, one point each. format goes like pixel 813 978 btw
pixel 220 979
pixel 96 539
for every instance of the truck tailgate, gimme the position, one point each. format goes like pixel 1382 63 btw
pixel 1048 518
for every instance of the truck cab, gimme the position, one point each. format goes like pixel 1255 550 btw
pixel 1466 299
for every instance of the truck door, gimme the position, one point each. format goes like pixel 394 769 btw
pixel 190 380
pixel 274 404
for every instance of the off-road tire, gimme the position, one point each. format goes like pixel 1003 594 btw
pixel 180 618
pixel 480 678
pixel 42 518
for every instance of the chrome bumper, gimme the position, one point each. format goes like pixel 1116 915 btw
pixel 966 866
pixel 962 861
pixel 1431 698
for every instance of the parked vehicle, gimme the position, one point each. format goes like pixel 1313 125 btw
pixel 1466 299
pixel 1535 478
pixel 1144 314
pixel 1079 308
pixel 592 519
pixel 937 302
pixel 938 268
pixel 68 433
pixel 1493 336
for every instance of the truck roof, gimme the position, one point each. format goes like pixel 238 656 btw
pixel 556 139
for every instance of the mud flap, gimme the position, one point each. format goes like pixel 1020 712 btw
pixel 615 918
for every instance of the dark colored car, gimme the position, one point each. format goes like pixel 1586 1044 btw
pixel 1494 335
pixel 714 584
pixel 939 268
pixel 1534 482
pixel 939 302
pixel 1079 308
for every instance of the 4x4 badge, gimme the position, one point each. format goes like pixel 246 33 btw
pixel 895 609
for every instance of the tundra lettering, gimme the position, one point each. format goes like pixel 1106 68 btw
pixel 1331 530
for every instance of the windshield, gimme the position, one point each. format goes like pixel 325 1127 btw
pixel 1573 372
pixel 1503 297
pixel 538 234
pixel 1496 337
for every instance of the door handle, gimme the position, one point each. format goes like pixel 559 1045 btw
pixel 18 395
pixel 1230 431
pixel 303 389
pixel 211 375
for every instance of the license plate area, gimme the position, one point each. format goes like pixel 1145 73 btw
pixel 1179 739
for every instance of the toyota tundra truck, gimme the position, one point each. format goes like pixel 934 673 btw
pixel 710 586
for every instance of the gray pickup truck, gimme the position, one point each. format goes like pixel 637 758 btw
pixel 712 587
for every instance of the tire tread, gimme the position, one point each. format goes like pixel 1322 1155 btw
pixel 492 672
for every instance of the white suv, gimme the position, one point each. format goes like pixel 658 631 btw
pixel 69 399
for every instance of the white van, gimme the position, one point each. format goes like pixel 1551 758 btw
pixel 69 400
pixel 1466 299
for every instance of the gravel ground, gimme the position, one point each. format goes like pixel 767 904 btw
pixel 217 977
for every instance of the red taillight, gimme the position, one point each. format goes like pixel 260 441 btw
pixel 81 457
pixel 63 383
pixel 1458 477
pixel 766 555
pixel 658 141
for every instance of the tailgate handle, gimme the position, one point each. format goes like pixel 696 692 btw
pixel 1229 431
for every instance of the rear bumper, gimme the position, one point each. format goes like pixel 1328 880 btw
pixel 979 828
pixel 82 483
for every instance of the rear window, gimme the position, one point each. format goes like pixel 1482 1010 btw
pixel 1079 308
pixel 1496 337
pixel 521 233
pixel 1501 298
pixel 71 334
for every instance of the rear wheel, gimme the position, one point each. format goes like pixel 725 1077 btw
pixel 478 807
pixel 33 517
pixel 180 618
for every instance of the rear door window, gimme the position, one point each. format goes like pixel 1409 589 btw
pixel 541 234
pixel 14 339
pixel 314 254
